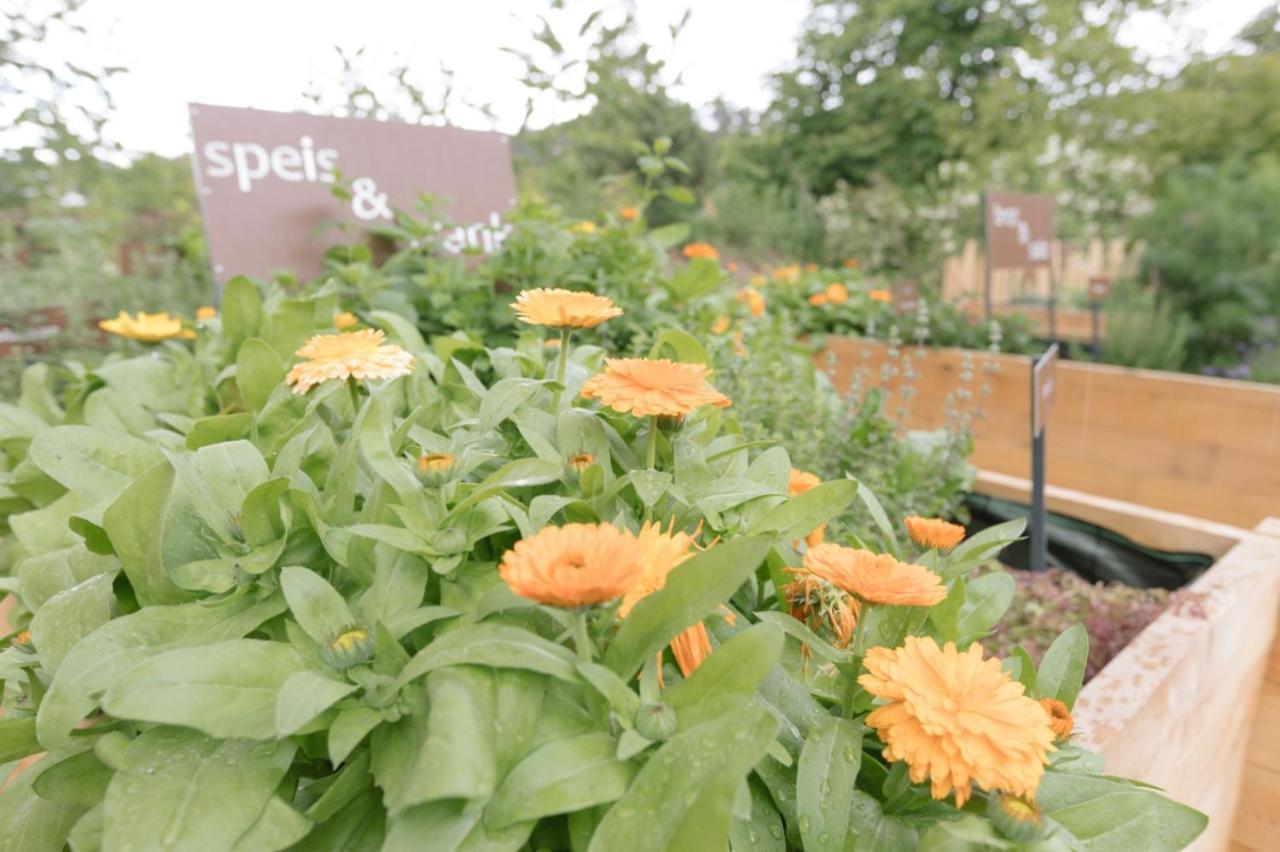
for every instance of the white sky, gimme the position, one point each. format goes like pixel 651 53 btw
pixel 265 53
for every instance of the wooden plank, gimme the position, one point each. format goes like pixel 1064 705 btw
pixel 1200 446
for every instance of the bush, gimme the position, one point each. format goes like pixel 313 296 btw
pixel 1144 330
pixel 361 616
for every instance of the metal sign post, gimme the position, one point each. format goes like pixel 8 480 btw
pixel 1099 288
pixel 986 254
pixel 1042 387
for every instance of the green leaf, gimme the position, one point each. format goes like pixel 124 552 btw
pixel 503 399
pixel 982 546
pixel 18 738
pixel 319 609
pixel 227 689
pixel 241 312
pixel 134 524
pixel 825 779
pixel 798 630
pixel 886 527
pixel 967 834
pixel 669 236
pixel 679 345
pixel 498 645
pixel 180 790
pixel 1061 671
pixel 650 485
pixel 69 616
pixel 279 826
pixel 695 279
pixel 679 194
pixel 304 696
pixel 108 653
pixel 683 797
pixel 763 831
pixel 516 474
pixel 351 781
pixel 447 753
pixel 259 371
pixel 801 515
pixel 348 729
pixel 97 463
pixel 987 598
pixel 452 827
pixel 80 779
pixel 561 777
pixel 218 429
pixel 32 823
pixel 692 591
pixel 1111 814
pixel 733 671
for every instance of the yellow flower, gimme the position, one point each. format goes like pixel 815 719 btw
pixel 345 320
pixel 933 532
pixel 205 313
pixel 752 299
pixel 573 565
pixel 880 296
pixel 1060 718
pixel 581 461
pixel 22 637
pixel 435 469
pixel 800 482
pixel 956 719
pixel 629 213
pixel 354 355
pixel 787 273
pixel 818 299
pixel 875 578
pixel 704 251
pixel 758 281
pixel 148 328
pixel 559 308
pixel 837 294
pixel 721 325
pixel 583 228
pixel 644 386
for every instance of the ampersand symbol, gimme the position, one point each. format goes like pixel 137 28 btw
pixel 366 202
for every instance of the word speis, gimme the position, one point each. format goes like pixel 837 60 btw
pixel 251 164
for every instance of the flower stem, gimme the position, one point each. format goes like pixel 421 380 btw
pixel 581 637
pixel 561 366
pixel 651 452
pixel 354 387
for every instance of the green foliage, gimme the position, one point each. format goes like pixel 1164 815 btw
pixel 1144 331
pixel 286 640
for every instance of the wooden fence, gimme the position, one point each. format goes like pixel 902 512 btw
pixel 964 275
pixel 1209 448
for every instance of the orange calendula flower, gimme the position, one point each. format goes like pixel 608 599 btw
pixel 583 227
pixel 880 296
pixel 573 565
pixel 818 299
pixel 732 266
pixel 844 618
pixel 581 461
pixel 837 294
pixel 558 308
pixel 700 251
pixel 800 482
pixel 1060 718
pixel 645 386
pixel 850 263
pixel 436 468
pixel 662 553
pixel 956 719
pixel 353 355
pixel 206 313
pixel 875 578
pixel 147 328
pixel 752 299
pixel 629 213
pixel 811 267
pixel 933 532
pixel 721 325
pixel 787 273
pixel 345 320
pixel 22 637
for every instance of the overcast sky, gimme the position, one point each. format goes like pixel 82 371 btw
pixel 265 53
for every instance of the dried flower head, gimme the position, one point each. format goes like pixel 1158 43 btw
pixel 353 355
pixel 934 532
pixel 956 719
pixel 148 328
pixel 700 251
pixel 573 565
pixel 1060 718
pixel 557 308
pixel 875 578
pixel 644 386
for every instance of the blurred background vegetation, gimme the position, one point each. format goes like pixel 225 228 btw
pixel 881 133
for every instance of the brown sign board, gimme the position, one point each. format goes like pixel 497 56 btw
pixel 906 296
pixel 1019 229
pixel 1042 388
pixel 1099 288
pixel 265 178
